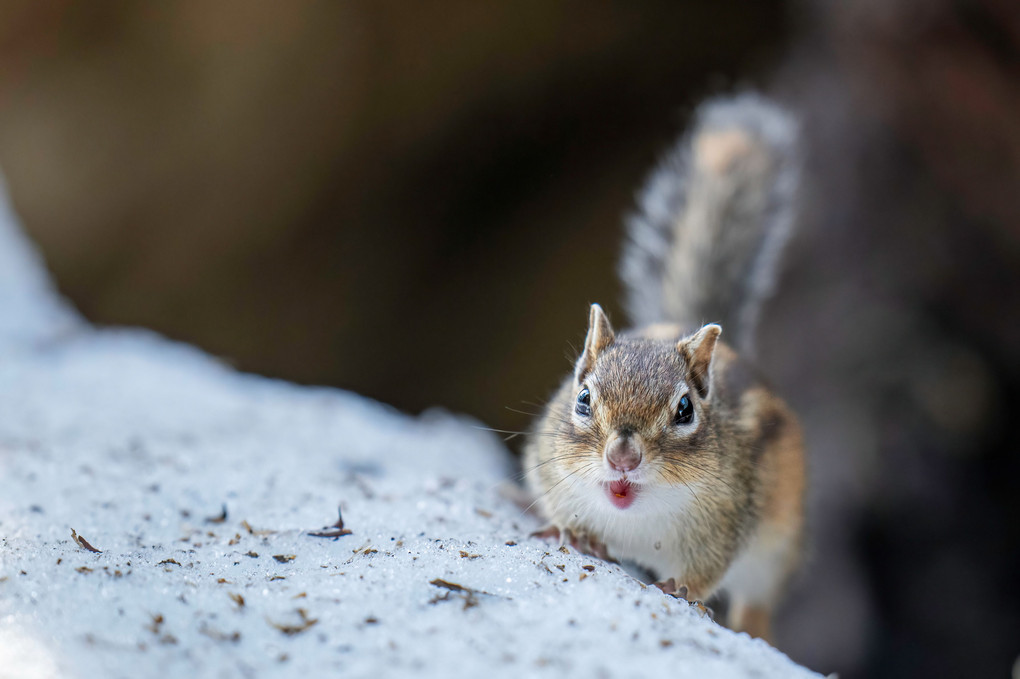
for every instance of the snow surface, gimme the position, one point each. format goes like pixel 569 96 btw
pixel 136 442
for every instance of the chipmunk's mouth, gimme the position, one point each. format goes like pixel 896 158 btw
pixel 621 493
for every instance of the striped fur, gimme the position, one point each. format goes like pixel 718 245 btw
pixel 713 218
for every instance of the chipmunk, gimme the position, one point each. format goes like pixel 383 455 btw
pixel 664 447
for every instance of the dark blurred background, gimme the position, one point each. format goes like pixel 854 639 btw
pixel 417 201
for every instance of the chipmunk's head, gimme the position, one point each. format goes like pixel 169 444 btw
pixel 640 420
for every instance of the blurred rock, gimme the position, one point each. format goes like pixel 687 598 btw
pixel 897 336
pixel 415 201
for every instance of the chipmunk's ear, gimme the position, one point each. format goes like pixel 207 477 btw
pixel 698 350
pixel 600 335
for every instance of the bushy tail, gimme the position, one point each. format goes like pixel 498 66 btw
pixel 713 219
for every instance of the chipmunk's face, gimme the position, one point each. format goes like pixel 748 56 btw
pixel 637 422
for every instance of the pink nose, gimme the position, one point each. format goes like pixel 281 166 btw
pixel 623 455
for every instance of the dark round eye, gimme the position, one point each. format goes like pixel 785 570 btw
pixel 583 405
pixel 685 411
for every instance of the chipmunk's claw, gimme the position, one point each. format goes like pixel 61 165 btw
pixel 549 531
pixel 582 542
pixel 562 536
pixel 587 544
pixel 671 588
pixel 680 592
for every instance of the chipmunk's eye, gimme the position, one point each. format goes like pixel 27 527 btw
pixel 685 411
pixel 583 405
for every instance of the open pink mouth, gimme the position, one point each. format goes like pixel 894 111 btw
pixel 621 493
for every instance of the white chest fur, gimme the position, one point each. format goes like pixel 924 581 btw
pixel 647 532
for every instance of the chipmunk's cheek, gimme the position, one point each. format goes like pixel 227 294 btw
pixel 621 493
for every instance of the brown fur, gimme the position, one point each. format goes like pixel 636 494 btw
pixel 744 456
pixel 746 450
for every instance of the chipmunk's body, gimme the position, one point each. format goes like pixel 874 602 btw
pixel 664 447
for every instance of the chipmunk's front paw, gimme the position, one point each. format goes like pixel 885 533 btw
pixel 582 542
pixel 552 531
pixel 671 588
pixel 586 543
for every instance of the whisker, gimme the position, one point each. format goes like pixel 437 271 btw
pixel 524 412
pixel 549 490
pixel 715 474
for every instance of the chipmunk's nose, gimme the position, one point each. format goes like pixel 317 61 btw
pixel 623 453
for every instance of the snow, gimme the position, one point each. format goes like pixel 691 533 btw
pixel 138 444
